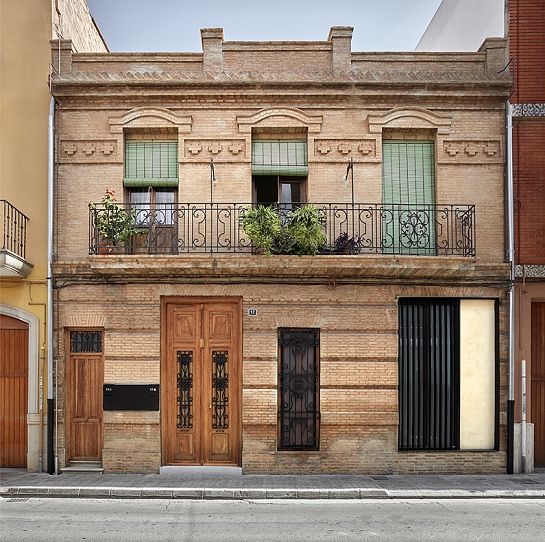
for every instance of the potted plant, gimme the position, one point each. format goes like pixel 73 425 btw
pixel 113 224
pixel 298 232
pixel 347 245
pixel 305 228
pixel 263 227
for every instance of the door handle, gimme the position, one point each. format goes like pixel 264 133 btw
pixel 85 419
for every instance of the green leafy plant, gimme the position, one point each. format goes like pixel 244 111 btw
pixel 262 226
pixel 113 223
pixel 305 228
pixel 297 232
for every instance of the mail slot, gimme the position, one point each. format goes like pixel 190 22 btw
pixel 131 396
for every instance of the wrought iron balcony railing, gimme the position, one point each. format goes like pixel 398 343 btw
pixel 14 229
pixel 361 228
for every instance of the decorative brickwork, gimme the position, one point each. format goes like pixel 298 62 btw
pixel 214 104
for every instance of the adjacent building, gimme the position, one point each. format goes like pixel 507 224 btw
pixel 456 24
pixel 25 356
pixel 182 339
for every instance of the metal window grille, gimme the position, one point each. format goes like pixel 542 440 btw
pixel 429 374
pixel 86 341
pixel 299 389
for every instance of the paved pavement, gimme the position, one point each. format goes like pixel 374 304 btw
pixel 200 484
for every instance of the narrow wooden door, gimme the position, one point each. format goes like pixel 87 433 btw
pixel 86 377
pixel 201 383
pixel 13 392
pixel 538 382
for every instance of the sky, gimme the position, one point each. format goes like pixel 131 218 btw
pixel 174 25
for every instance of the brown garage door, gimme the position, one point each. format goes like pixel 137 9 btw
pixel 538 382
pixel 13 392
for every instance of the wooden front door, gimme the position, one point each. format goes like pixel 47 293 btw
pixel 538 382
pixel 86 377
pixel 201 382
pixel 13 392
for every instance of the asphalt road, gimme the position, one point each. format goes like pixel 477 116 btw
pixel 280 520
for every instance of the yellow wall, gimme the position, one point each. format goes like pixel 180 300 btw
pixel 477 374
pixel 26 28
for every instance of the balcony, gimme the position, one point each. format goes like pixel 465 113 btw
pixel 351 229
pixel 13 261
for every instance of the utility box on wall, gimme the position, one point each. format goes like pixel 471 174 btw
pixel 131 396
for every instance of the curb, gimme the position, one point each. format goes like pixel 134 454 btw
pixel 260 494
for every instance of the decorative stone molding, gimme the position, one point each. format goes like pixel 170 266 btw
pixel 331 149
pixel 530 271
pixel 528 110
pixel 410 117
pixel 94 150
pixel 202 150
pixel 470 151
pixel 150 118
pixel 280 117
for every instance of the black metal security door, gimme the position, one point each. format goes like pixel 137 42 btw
pixel 299 388
pixel 429 374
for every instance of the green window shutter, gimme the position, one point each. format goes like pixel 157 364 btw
pixel 151 163
pixel 408 197
pixel 280 157
pixel 408 175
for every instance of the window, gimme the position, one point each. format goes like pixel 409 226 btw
pixel 408 197
pixel 151 163
pixel 279 170
pixel 85 341
pixel 429 374
pixel 151 179
pixel 298 389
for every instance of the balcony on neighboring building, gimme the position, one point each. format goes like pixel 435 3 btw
pixel 13 261
pixel 346 228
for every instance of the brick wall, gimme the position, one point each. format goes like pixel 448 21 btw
pixel 358 381
pixel 529 178
pixel 527 46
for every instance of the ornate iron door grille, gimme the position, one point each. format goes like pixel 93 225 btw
pixel 185 385
pixel 429 374
pixel 220 385
pixel 299 389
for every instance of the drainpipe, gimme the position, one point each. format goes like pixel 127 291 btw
pixel 52 468
pixel 511 234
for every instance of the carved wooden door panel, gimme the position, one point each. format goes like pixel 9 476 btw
pixel 201 383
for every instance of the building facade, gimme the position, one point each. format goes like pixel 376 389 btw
pixel 26 31
pixel 184 338
pixel 524 24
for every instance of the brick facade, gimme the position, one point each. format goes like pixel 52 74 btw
pixel 527 48
pixel 345 104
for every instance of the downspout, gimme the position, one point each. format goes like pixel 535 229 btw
pixel 511 234
pixel 52 468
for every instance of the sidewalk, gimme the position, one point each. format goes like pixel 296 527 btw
pixel 17 483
